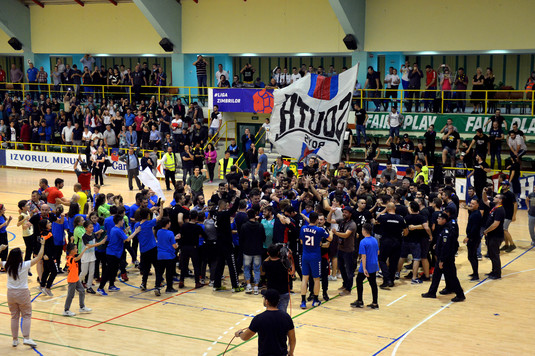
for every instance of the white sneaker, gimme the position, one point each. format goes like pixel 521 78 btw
pixel 339 275
pixel 85 310
pixel 68 313
pixel 29 342
pixel 15 343
pixel 332 278
pixel 49 292
pixel 248 289
pixel 255 290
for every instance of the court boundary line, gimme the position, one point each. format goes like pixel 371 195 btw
pixel 399 340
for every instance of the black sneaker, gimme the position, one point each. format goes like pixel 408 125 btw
pixel 326 297
pixel 445 292
pixel 143 287
pixel 493 276
pixel 357 304
pixel 384 286
pixel 425 279
pixel 458 299
pixel 471 275
pixel 171 290
pixel 157 292
pixel 391 284
pixel 409 276
pixel 373 306
pixel 475 278
pixel 90 291
pixel 310 298
pixel 428 295
pixel 409 266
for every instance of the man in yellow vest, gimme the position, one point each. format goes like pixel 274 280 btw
pixel 169 163
pixel 225 164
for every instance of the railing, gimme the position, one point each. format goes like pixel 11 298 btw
pixel 218 135
pixel 488 100
pixel 255 143
pixel 99 91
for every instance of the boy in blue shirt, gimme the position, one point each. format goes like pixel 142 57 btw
pixel 311 238
pixel 167 246
pixel 369 265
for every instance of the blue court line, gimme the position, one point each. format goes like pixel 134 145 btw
pixel 507 264
pixel 9 232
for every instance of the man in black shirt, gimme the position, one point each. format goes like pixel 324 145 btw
pixel 418 227
pixel 481 168
pixel 473 236
pixel 407 151
pixel 138 79
pixel 413 94
pixel 452 141
pixel 189 248
pixel 277 275
pixel 393 227
pixel 510 205
pixel 361 118
pixel 494 235
pixel 273 327
pixel 480 145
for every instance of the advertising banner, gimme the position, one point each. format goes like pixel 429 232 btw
pixel 56 161
pixel 242 100
pixel 464 123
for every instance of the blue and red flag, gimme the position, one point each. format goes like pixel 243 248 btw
pixel 305 151
pixel 323 88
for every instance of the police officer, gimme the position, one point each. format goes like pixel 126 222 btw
pixel 446 249
pixel 393 227
pixel 494 235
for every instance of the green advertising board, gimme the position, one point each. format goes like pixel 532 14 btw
pixel 464 123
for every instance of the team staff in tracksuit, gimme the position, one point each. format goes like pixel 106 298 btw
pixel 446 249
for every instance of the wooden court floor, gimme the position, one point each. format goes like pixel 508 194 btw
pixel 496 318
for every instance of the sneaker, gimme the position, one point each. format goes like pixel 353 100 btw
pixel 326 297
pixel 316 303
pixel 171 290
pixel 445 292
pixel 479 258
pixel 217 289
pixel 211 284
pixel 457 299
pixel 373 306
pixel 345 292
pixel 49 292
pixel 157 292
pixel 176 279
pixel 357 304
pixel 143 287
pixel 255 290
pixel 408 266
pixel 303 305
pixel 310 297
pixel 85 310
pixel 101 292
pixel 390 284
pixel 409 276
pixel 504 248
pixel 416 281
pixel 114 289
pixel 384 286
pixel 474 279
pixel 332 278
pixel 90 291
pixel 342 288
pixel 428 295
pixel 201 281
pixel 29 342
pixel 199 285
pixel 425 279
pixel 397 275
pixel 15 343
pixel 248 289
pixel 339 276
pixel 493 276
pixel 60 271
pixel 190 273
pixel 41 289
pixel 124 277
pixel 181 284
pixel 511 248
pixel 237 290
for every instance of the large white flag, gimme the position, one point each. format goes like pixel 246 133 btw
pixel 146 177
pixel 310 115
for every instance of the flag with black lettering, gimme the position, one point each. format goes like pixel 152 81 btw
pixel 310 115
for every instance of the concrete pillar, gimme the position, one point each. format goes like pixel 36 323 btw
pixel 177 68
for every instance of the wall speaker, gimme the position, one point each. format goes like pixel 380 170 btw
pixel 351 42
pixel 166 45
pixel 13 42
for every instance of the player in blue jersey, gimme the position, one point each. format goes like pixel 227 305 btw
pixel 311 238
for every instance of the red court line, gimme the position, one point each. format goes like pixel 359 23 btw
pixel 53 321
pixel 138 309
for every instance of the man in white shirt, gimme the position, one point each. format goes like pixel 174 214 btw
pixel 221 72
pixel 295 75
pixel 215 124
pixel 66 134
pixel 392 83
pixel 285 78
pixel 516 145
pixel 395 120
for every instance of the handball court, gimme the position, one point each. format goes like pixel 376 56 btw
pixel 496 317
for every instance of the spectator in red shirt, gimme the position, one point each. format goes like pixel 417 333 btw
pixel 2 80
pixel 54 195
pixel 84 176
pixel 430 87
